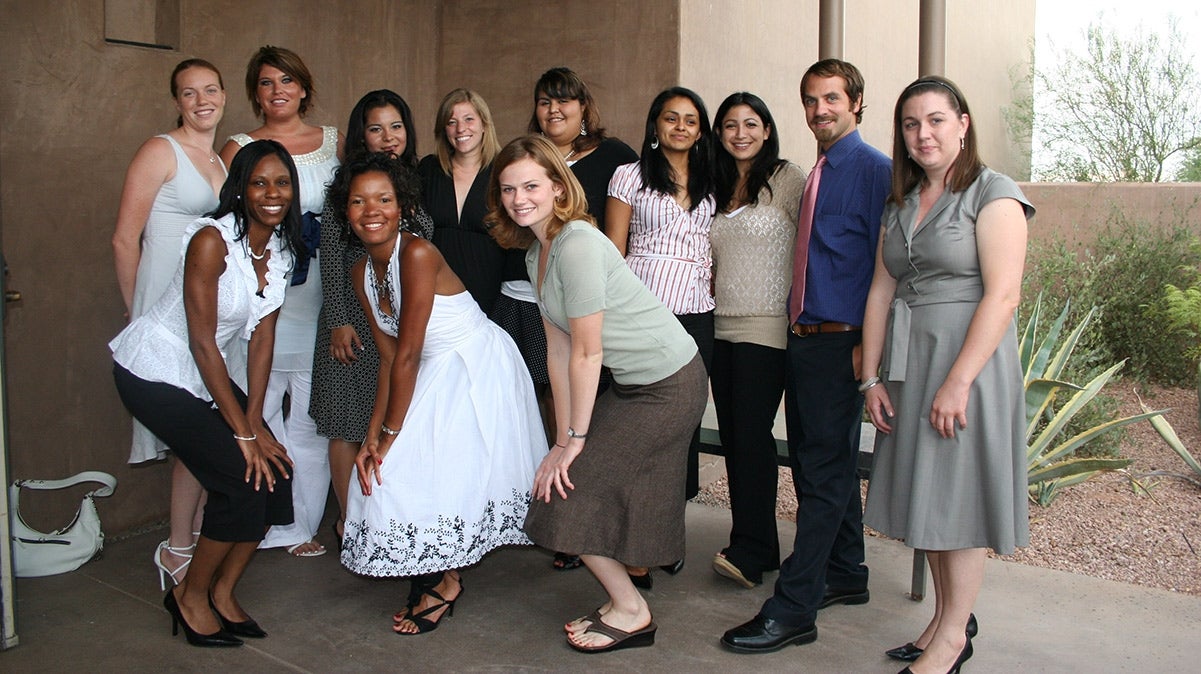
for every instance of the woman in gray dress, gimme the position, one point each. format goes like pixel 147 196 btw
pixel 949 474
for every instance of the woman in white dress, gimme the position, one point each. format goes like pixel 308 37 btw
pixel 173 179
pixel 447 466
pixel 280 89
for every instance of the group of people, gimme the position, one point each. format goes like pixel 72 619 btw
pixel 335 310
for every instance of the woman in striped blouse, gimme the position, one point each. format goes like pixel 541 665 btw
pixel 659 212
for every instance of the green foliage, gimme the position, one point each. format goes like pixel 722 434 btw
pixel 1190 172
pixel 1183 311
pixel 1053 453
pixel 1124 274
pixel 1118 112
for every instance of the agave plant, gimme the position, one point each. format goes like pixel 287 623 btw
pixel 1051 403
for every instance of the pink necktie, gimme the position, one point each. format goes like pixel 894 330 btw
pixel 800 260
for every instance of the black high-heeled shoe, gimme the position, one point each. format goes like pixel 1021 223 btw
pixel 246 628
pixel 218 638
pixel 423 623
pixel 643 581
pixel 964 655
pixel 675 568
pixel 909 652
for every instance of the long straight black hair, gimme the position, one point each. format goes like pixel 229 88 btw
pixel 357 126
pixel 231 199
pixel 764 165
pixel 656 171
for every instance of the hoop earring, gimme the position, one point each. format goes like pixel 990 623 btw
pixel 583 128
pixel 655 143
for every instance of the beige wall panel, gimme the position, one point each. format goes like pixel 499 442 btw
pixel 984 46
pixel 73 110
pixel 625 51
pixel 760 47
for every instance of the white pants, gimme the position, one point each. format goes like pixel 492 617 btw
pixel 309 453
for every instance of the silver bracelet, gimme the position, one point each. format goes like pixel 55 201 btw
pixel 246 438
pixel 384 428
pixel 872 381
pixel 572 433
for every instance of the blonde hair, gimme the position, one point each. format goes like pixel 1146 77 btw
pixel 571 205
pixel 445 149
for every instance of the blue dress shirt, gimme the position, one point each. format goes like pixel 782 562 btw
pixel 854 187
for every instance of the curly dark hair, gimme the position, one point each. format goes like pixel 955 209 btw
pixel 403 177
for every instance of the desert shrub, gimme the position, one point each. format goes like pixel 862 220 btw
pixel 1124 274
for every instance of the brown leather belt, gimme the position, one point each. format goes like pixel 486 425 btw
pixel 806 329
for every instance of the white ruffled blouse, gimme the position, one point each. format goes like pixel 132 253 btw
pixel 155 346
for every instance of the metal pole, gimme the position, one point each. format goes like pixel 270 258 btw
pixel 932 38
pixel 830 29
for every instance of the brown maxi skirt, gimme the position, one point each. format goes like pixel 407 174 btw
pixel 629 479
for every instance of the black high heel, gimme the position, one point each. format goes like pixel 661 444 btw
pixel 675 568
pixel 246 628
pixel 423 623
pixel 964 655
pixel 644 581
pixel 218 638
pixel 909 652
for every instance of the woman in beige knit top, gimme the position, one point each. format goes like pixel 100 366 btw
pixel 758 196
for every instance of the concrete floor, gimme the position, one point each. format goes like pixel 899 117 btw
pixel 108 617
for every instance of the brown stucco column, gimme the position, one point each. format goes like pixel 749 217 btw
pixel 830 29
pixel 932 38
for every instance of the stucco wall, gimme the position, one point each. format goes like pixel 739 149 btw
pixel 73 110
pixel 765 47
pixel 1074 212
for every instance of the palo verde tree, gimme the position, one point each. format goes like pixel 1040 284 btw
pixel 1123 110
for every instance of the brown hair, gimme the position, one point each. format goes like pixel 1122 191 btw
pixel 444 148
pixel 572 205
pixel 284 60
pixel 849 74
pixel 184 65
pixel 906 174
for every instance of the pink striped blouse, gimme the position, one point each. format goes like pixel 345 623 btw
pixel 668 246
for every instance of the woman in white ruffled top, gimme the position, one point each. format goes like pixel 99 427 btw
pixel 171 370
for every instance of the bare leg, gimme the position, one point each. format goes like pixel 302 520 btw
pixel 628 610
pixel 193 593
pixel 187 511
pixel 934 560
pixel 962 575
pixel 341 465
pixel 225 580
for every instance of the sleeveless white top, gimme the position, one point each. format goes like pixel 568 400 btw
pixel 154 347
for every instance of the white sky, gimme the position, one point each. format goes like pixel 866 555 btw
pixel 1061 24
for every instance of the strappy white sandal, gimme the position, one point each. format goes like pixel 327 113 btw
pixel 163 571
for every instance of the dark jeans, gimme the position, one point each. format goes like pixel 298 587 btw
pixel 700 327
pixel 747 381
pixel 823 408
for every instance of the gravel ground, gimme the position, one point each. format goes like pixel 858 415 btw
pixel 1106 528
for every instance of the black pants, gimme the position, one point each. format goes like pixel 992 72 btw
pixel 747 381
pixel 823 408
pixel 199 436
pixel 700 327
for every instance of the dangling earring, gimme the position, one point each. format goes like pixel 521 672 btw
pixel 655 143
pixel 961 144
pixel 583 128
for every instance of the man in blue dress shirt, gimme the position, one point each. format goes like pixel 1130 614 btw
pixel 822 401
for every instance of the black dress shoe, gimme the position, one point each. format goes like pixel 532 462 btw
pixel 765 635
pixel 643 581
pixel 246 628
pixel 844 595
pixel 673 569
pixel 909 652
pixel 906 653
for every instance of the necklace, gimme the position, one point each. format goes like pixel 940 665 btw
pixel 250 251
pixel 569 155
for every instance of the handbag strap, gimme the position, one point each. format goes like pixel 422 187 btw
pixel 109 482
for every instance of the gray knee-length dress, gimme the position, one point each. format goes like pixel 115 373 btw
pixel 968 491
